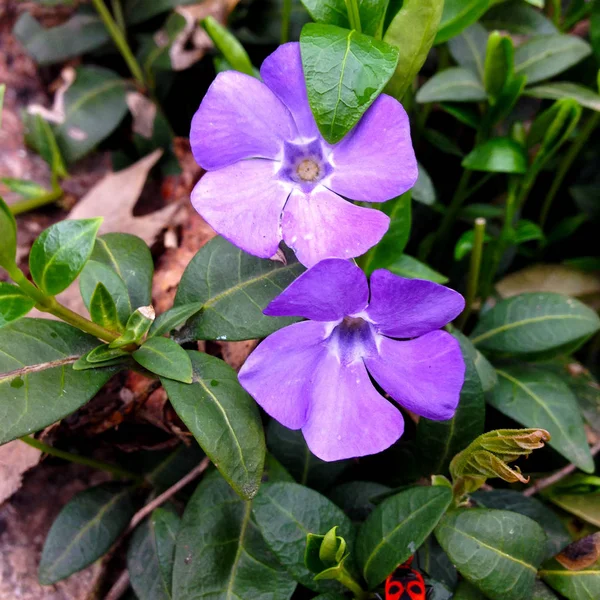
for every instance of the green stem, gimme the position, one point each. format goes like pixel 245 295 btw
pixel 474 270
pixel 81 460
pixel 346 580
pixel 119 40
pixel 23 206
pixel 119 17
pixel 353 15
pixel 566 164
pixel 556 12
pixel 286 13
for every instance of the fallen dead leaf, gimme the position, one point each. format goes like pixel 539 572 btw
pixel 236 353
pixel 15 459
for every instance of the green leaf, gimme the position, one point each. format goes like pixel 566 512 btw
pixel 458 15
pixel 285 514
pixel 407 266
pixel 423 190
pixel 496 550
pixel 345 71
pixel 129 257
pixel 573 585
pixel 166 358
pixel 466 591
pixel 84 530
pixel 165 470
pixel 578 496
pixel 228 45
pixel 535 325
pixel 334 12
pixel 35 364
pixel 8 235
pixel 103 309
pixel 544 56
pixel 536 397
pixel 595 28
pixel 468 49
pixel 412 31
pixel 498 155
pixel 14 303
pixel 435 562
pixel 24 187
pixel 439 441
pixel 499 65
pixel 59 254
pixel 220 551
pixel 136 328
pixel 397 527
pixel 526 231
pixel 456 84
pixel 224 420
pixel 563 89
pixel 40 137
pixel 172 318
pixel 234 288
pixel 465 243
pixel 358 498
pixel 104 353
pixel 151 555
pixel 137 11
pixel 81 33
pixel 519 18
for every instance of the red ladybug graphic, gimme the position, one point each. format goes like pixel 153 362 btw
pixel 405 583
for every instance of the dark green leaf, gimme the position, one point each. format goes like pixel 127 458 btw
pixel 542 592
pixel 334 12
pixel 412 31
pixel 345 71
pixel 24 187
pixel 458 15
pixel 84 530
pixel 464 245
pixel 104 353
pixel 595 28
pixel 40 137
pixel 220 551
pixel 407 266
pixel 137 11
pixel 518 17
pixel 435 562
pixel 228 45
pixel 166 358
pixel 562 89
pixel 456 84
pixel 498 155
pixel 103 309
pixel 35 364
pixel 443 143
pixel 573 585
pixel 579 495
pixel 14 303
pixel 8 235
pixel 535 325
pixel 224 420
pixel 536 397
pixel 465 114
pixel 496 550
pixel 466 591
pixel 59 254
pixel 172 318
pixel 234 288
pixel 357 498
pixel 526 231
pixel 468 48
pixel 423 190
pixel 167 469
pixel 285 514
pixel 544 56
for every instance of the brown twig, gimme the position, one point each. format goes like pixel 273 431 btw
pixel 119 588
pixel 541 484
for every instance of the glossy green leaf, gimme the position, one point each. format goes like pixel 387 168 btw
pixel 84 530
pixel 456 84
pixel 334 12
pixel 40 136
pixel 498 155
pixel 526 231
pixel 552 128
pixel 496 550
pixel 136 328
pixel 104 353
pixel 59 254
pixel 103 309
pixel 8 235
pixel 573 585
pixel 545 56
pixel 432 560
pixel 220 551
pixel 535 325
pixel 562 89
pixel 579 495
pixel 234 288
pixel 36 357
pixel 439 441
pixel 507 99
pixel 407 266
pixel 223 418
pixel 345 71
pixel 24 187
pixel 458 15
pixel 358 499
pixel 499 65
pixel 285 514
pixel 412 31
pixel 151 555
pixel 14 303
pixel 466 591
pixel 172 318
pixel 228 45
pixel 519 18
pixel 536 397
pixel 129 257
pixel 468 48
pixel 166 358
pixel 397 527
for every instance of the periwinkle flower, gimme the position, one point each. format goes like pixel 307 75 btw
pixel 272 176
pixel 316 375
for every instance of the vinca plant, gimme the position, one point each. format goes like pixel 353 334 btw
pixel 391 186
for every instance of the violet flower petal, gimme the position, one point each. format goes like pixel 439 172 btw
pixel 280 372
pixel 320 224
pixel 239 118
pixel 243 202
pixel 425 375
pixel 329 291
pixel 375 161
pixel 406 308
pixel 283 74
pixel 347 416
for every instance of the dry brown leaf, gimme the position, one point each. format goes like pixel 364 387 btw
pixel 236 353
pixel 15 459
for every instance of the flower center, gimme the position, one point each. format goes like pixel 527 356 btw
pixel 308 170
pixel 304 164
pixel 353 339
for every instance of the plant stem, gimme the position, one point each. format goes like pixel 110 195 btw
pixel 120 41
pixel 353 15
pixel 346 580
pixel 286 13
pixel 80 460
pixel 23 206
pixel 566 164
pixel 474 270
pixel 556 12
pixel 118 13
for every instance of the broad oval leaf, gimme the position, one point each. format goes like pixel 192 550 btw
pixel 224 420
pixel 535 326
pixel 285 514
pixel 458 15
pixel 345 71
pixel 544 56
pixel 335 12
pixel 397 527
pixel 563 89
pixel 36 358
pixel 468 48
pixel 220 551
pixel 234 288
pixel 498 155
pixel 60 252
pixel 14 303
pixel 103 309
pixel 496 550
pixel 518 17
pixel 456 84
pixel 536 397
pixel 165 358
pixel 84 530
pixel 573 585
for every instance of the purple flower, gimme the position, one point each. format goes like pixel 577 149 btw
pixel 316 375
pixel 272 176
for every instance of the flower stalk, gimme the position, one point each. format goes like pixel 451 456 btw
pixel 23 206
pixel 474 270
